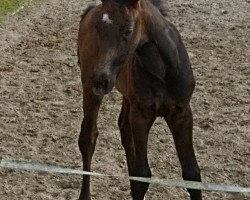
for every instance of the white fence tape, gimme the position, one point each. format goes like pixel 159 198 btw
pixel 21 7
pixel 27 166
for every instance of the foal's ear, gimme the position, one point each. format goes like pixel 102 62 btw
pixel 132 2
pixel 128 2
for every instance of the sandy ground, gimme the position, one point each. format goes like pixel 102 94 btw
pixel 40 103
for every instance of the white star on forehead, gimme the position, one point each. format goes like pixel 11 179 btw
pixel 106 19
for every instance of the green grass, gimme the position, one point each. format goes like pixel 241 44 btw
pixel 7 6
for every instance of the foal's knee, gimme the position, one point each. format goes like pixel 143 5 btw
pixel 142 169
pixel 87 138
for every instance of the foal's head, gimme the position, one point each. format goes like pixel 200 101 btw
pixel 118 33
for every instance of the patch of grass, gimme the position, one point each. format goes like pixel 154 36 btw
pixel 7 6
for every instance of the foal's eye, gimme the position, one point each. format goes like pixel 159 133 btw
pixel 122 29
pixel 128 32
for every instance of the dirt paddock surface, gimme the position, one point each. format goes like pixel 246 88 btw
pixel 41 98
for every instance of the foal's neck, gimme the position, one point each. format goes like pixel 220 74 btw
pixel 152 18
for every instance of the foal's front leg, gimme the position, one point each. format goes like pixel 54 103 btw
pixel 88 136
pixel 180 122
pixel 126 135
pixel 141 120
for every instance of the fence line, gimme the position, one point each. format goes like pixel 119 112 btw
pixel 34 167
pixel 21 7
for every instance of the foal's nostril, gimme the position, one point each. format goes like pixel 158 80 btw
pixel 100 82
pixel 103 82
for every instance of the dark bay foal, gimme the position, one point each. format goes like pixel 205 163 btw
pixel 130 45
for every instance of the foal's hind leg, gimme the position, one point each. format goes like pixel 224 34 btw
pixel 88 136
pixel 180 122
pixel 141 120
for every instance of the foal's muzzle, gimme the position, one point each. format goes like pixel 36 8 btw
pixel 102 83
